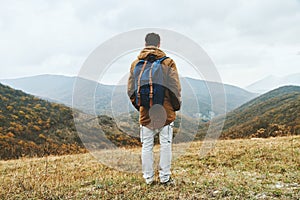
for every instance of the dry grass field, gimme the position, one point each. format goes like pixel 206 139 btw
pixel 234 169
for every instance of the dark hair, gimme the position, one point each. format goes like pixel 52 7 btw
pixel 152 39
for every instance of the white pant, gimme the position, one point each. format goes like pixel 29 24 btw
pixel 165 140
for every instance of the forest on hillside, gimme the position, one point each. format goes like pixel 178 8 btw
pixel 276 113
pixel 30 126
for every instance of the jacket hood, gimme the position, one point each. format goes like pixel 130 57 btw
pixel 151 50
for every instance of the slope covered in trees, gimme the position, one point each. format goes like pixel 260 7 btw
pixel 276 113
pixel 30 126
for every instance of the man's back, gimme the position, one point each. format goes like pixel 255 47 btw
pixel 156 118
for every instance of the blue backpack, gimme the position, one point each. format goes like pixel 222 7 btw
pixel 149 81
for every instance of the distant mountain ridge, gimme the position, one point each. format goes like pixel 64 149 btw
pixel 272 82
pixel 44 86
pixel 59 88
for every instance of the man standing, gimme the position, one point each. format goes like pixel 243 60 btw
pixel 155 117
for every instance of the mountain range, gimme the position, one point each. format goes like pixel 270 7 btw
pixel 107 98
pixel 30 126
pixel 272 82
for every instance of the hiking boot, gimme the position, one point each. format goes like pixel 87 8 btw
pixel 149 181
pixel 170 182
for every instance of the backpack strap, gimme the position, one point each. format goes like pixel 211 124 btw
pixel 162 59
pixel 151 86
pixel 139 83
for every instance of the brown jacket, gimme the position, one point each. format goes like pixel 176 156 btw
pixel 172 98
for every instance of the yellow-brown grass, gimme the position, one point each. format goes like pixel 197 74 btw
pixel 234 169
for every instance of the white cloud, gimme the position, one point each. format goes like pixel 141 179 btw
pixel 247 39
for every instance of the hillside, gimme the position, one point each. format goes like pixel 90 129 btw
pixel 276 113
pixel 59 89
pixel 30 127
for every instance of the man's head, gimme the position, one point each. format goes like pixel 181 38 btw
pixel 152 39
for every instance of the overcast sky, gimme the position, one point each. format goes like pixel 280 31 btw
pixel 247 40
